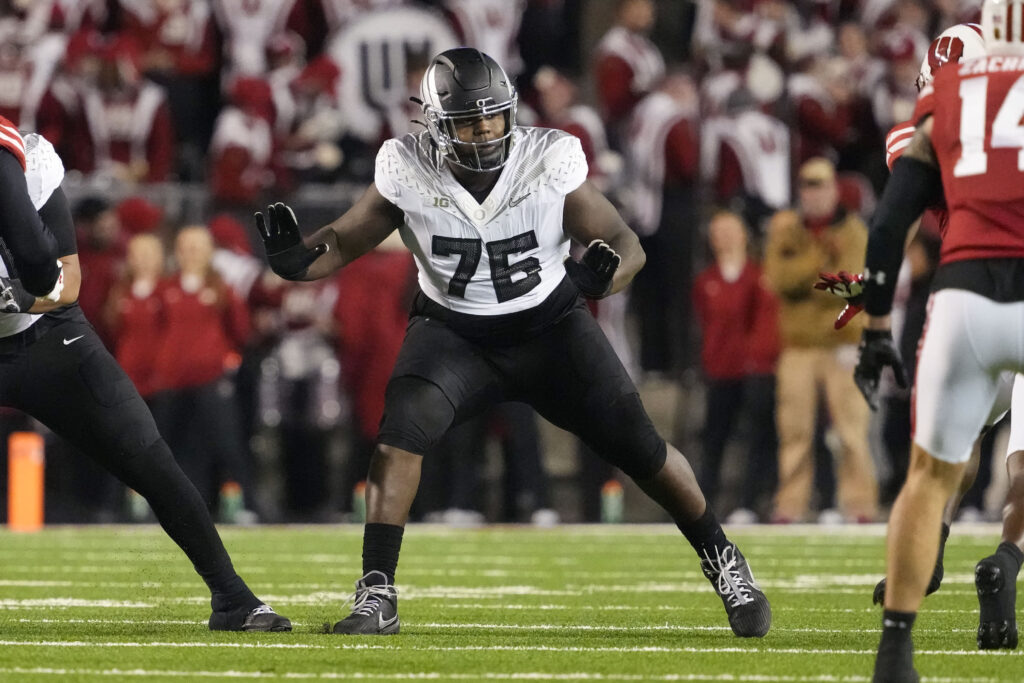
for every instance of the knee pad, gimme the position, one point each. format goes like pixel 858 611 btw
pixel 416 414
pixel 626 438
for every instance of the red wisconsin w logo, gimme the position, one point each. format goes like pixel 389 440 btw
pixel 943 50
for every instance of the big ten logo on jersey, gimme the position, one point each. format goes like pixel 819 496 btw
pixel 388 50
pixel 441 202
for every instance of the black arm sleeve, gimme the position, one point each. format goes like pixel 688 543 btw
pixel 56 215
pixel 913 187
pixel 30 244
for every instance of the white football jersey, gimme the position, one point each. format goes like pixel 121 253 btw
pixel 501 256
pixel 43 174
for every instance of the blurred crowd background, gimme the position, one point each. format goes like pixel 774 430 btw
pixel 744 141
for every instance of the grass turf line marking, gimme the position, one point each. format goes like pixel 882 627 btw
pixel 497 648
pixel 519 676
pixel 507 627
pixel 75 602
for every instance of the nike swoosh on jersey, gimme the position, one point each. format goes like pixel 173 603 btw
pixel 72 340
pixel 517 202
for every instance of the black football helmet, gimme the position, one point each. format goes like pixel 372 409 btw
pixel 464 83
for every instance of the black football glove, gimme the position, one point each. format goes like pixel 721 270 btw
pixel 13 297
pixel 593 273
pixel 287 254
pixel 876 351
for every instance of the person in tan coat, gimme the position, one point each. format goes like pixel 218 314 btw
pixel 820 236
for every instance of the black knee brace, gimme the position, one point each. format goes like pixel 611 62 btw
pixel 416 414
pixel 627 439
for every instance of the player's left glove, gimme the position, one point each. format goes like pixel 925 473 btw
pixel 846 286
pixel 287 254
pixel 593 273
pixel 13 297
pixel 875 352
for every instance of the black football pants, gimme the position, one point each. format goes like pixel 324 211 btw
pixel 59 372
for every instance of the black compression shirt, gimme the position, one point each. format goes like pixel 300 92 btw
pixel 29 246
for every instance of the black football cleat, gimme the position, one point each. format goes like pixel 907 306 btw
pixel 995 577
pixel 374 609
pixel 262 618
pixel 878 597
pixel 750 614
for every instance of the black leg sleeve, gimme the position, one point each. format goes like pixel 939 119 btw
pixel 182 513
pixel 77 390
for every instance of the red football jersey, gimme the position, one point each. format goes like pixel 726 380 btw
pixel 979 141
pixel 10 139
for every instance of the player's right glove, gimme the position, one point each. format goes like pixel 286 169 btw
pixel 593 273
pixel 846 286
pixel 13 297
pixel 875 352
pixel 287 254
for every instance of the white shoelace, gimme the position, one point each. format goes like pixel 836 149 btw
pixel 368 598
pixel 729 583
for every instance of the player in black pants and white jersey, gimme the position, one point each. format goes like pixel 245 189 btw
pixel 54 367
pixel 488 209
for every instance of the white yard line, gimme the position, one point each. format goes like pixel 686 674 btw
pixel 338 645
pixel 509 627
pixel 445 676
pixel 74 602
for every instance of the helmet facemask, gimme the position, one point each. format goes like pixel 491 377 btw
pixel 475 156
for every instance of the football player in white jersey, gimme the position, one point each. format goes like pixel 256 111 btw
pixel 488 208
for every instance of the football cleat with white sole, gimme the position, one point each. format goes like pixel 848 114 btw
pixel 750 614
pixel 261 618
pixel 374 608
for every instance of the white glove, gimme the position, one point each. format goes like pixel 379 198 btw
pixel 58 287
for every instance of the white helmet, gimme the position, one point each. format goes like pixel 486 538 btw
pixel 1002 23
pixel 955 44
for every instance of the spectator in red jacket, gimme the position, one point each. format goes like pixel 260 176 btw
pixel 101 255
pixel 132 313
pixel 204 325
pixel 372 313
pixel 738 317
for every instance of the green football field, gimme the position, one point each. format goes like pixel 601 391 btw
pixel 597 603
